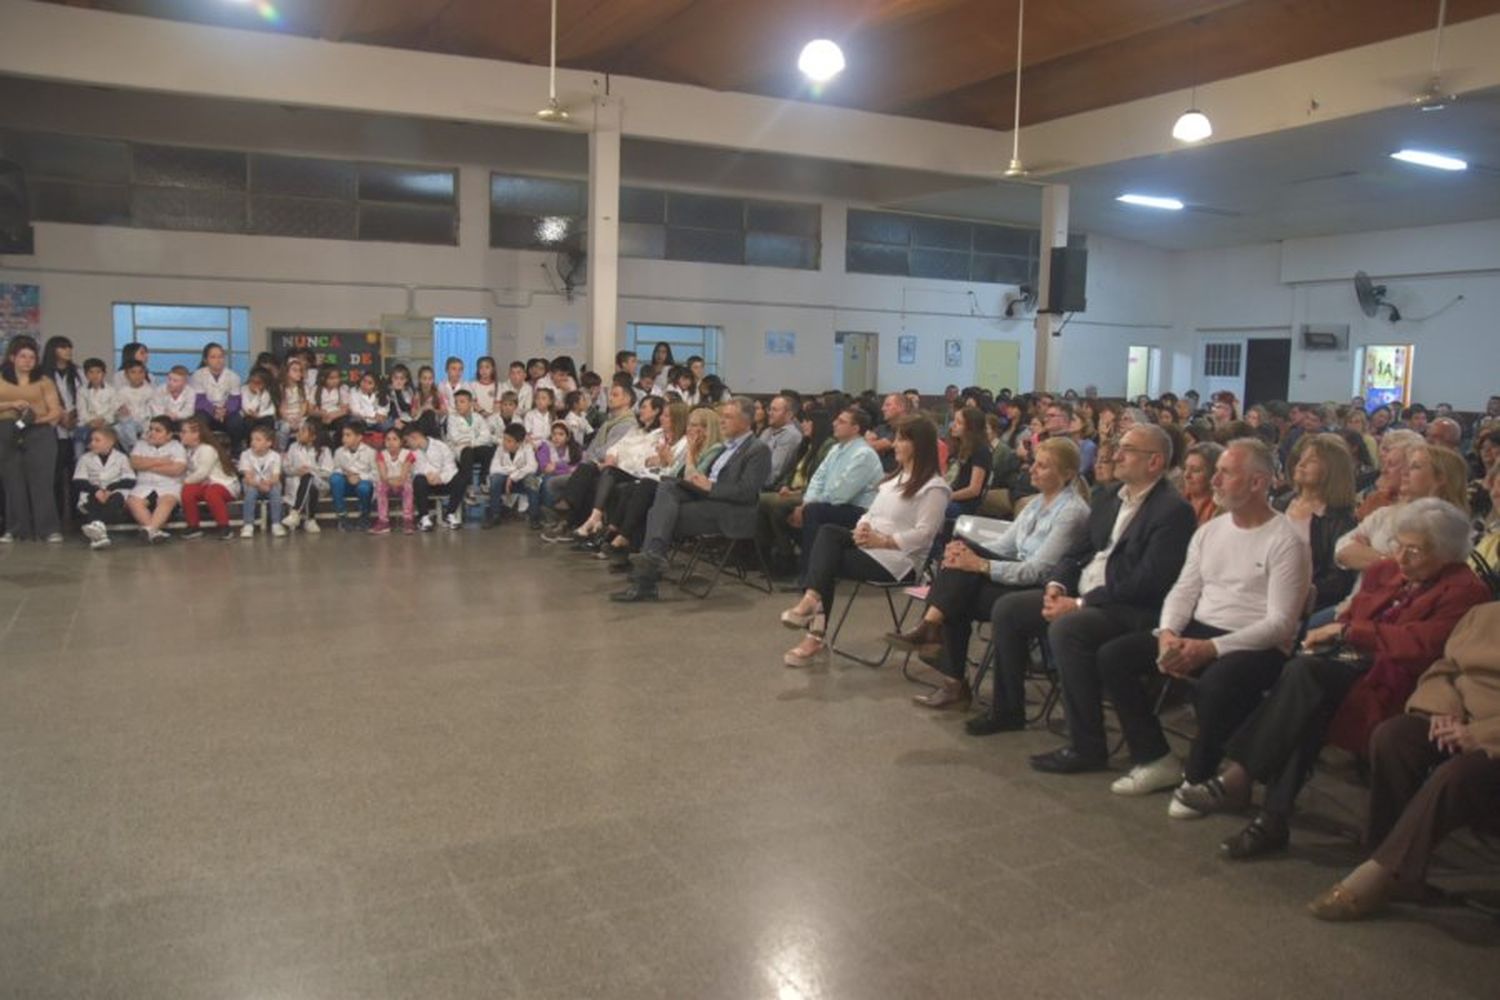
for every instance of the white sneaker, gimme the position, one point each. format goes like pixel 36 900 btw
pixel 453 521
pixel 311 526
pixel 7 538
pixel 279 531
pixel 1144 779
pixel 100 543
pixel 292 520
pixel 1178 808
pixel 94 531
pixel 55 537
pixel 426 523
pixel 248 531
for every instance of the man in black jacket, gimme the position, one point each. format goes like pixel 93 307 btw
pixel 1138 539
pixel 721 502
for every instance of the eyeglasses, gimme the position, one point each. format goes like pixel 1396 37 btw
pixel 1126 449
pixel 1400 551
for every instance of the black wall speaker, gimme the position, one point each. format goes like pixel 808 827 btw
pixel 15 210
pixel 1070 267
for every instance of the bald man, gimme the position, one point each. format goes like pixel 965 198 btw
pixel 1445 432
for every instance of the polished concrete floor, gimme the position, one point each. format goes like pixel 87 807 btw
pixel 446 766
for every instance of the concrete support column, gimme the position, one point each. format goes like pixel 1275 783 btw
pixel 1054 234
pixel 604 235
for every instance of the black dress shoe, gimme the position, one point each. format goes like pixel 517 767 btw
pixel 988 725
pixel 635 593
pixel 1266 834
pixel 1065 761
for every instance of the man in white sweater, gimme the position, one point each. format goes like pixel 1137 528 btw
pixel 1229 623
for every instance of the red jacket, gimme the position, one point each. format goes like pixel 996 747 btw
pixel 1402 649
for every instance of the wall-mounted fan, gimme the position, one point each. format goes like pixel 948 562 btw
pixel 571 265
pixel 1372 297
pixel 1020 302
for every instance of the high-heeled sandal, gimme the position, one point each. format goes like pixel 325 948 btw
pixel 795 658
pixel 792 618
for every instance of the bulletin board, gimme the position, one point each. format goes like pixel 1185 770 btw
pixel 350 351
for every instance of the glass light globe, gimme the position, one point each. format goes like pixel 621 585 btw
pixel 1193 126
pixel 821 60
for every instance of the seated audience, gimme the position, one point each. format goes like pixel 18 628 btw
pixel 1228 623
pixel 514 463
pixel 210 478
pixel 436 473
pixel 625 461
pixel 889 543
pixel 972 580
pixel 1353 673
pixel 1392 461
pixel 1426 471
pixel 773 533
pixel 1321 508
pixel 102 479
pixel 217 390
pixel 396 466
pixel 307 465
pixel 160 462
pixel 782 436
pixel 971 475
pixel 354 475
pixel 569 497
pixel 720 501
pixel 701 446
pixel 1433 770
pixel 1197 479
pixel 1138 534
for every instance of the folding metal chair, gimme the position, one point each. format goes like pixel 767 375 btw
pixel 898 619
pixel 720 562
pixel 1041 668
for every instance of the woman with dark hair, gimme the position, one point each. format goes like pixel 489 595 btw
pixel 57 364
pixel 133 351
pixel 625 461
pixel 974 458
pixel 773 533
pixel 888 544
pixel 661 356
pixel 1321 508
pixel 218 388
pixel 29 414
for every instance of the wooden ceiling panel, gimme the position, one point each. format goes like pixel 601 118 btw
pixel 1233 40
pixel 948 60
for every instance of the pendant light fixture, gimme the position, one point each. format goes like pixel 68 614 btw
pixel 1017 169
pixel 1192 125
pixel 553 112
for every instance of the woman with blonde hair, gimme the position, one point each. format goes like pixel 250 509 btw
pixel 971 580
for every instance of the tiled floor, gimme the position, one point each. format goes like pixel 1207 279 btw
pixel 446 766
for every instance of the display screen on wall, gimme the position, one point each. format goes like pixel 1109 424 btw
pixel 351 351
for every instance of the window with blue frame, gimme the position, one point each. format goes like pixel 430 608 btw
pixel 686 341
pixel 176 335
pixel 464 337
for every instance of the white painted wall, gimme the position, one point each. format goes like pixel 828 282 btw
pixel 1273 289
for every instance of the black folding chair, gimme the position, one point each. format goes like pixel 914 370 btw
pixel 715 551
pixel 1041 669
pixel 898 619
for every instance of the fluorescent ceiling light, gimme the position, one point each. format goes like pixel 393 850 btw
pixel 1192 126
pixel 1423 158
pixel 1151 201
pixel 821 60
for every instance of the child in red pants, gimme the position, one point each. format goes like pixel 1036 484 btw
pixel 210 478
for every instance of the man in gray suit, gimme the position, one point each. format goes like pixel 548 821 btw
pixel 722 502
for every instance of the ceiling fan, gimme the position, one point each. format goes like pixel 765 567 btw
pixel 1433 90
pixel 554 113
pixel 1017 169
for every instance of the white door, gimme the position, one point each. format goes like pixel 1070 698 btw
pixel 857 361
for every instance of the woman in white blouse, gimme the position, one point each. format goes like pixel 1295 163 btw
pixel 887 544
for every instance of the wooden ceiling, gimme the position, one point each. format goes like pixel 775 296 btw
pixel 947 60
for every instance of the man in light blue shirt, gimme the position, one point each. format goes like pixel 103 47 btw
pixel 843 486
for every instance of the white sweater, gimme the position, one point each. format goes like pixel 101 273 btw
pixel 1253 582
pixel 218 390
pixel 472 431
pixel 204 467
pixel 357 464
pixel 304 460
pixel 98 404
pixel 261 467
pixel 514 466
pixel 914 523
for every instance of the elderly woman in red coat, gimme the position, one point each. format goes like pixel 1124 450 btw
pixel 1353 673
